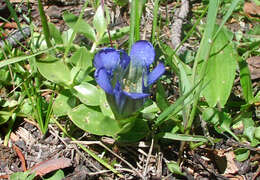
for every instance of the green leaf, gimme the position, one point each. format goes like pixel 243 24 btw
pixel 174 167
pixel 114 35
pixel 221 120
pixel 58 175
pixel 54 70
pixel 87 93
pixel 161 97
pixel 221 70
pixel 22 176
pixel 55 33
pixel 257 133
pixel 4 118
pixel 99 22
pixel 174 108
pixel 82 58
pixel 242 154
pixel 93 121
pixel 63 103
pixel 23 58
pixel 183 137
pixel 104 106
pixel 245 80
pixel 138 131
pixel 249 125
pixel 81 27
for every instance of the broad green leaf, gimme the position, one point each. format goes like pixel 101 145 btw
pixel 153 108
pixel 87 93
pixel 4 118
pixel 81 27
pixel 104 106
pixel 55 33
pixel 138 131
pixel 63 103
pixel 249 125
pixel 226 123
pixel 66 36
pixel 58 175
pixel 4 76
pixel 174 167
pixel 221 120
pixel 220 70
pixel 114 35
pixel 26 107
pixel 54 70
pixel 22 176
pixel 161 97
pixel 257 133
pixel 183 137
pixel 93 121
pixel 82 58
pixel 99 22
pixel 242 154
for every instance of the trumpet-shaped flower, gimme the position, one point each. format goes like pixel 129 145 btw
pixel 126 79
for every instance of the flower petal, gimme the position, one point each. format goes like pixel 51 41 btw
pixel 103 80
pixel 109 58
pixel 142 52
pixel 124 59
pixel 157 72
pixel 119 97
pixel 136 95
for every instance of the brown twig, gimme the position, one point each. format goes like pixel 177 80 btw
pixel 21 157
pixel 109 150
pixel 148 158
pixel 180 15
pixel 52 131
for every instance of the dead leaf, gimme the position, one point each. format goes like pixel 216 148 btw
pixel 50 165
pixel 254 66
pixel 231 165
pixel 21 156
pixel 251 9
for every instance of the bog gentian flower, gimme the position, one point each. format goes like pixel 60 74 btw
pixel 126 79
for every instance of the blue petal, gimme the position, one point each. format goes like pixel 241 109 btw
pixel 157 72
pixel 103 80
pixel 119 97
pixel 136 95
pixel 109 58
pixel 124 59
pixel 142 52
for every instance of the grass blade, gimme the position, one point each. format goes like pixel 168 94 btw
pixel 45 26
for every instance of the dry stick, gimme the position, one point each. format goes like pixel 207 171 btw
pixel 56 135
pixel 109 150
pixel 180 15
pixel 148 158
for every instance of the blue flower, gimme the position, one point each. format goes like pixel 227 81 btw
pixel 126 79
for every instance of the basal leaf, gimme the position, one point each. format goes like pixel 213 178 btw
pixel 63 103
pixel 54 70
pixel 87 94
pixel 220 71
pixel 82 58
pixel 138 131
pixel 93 121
